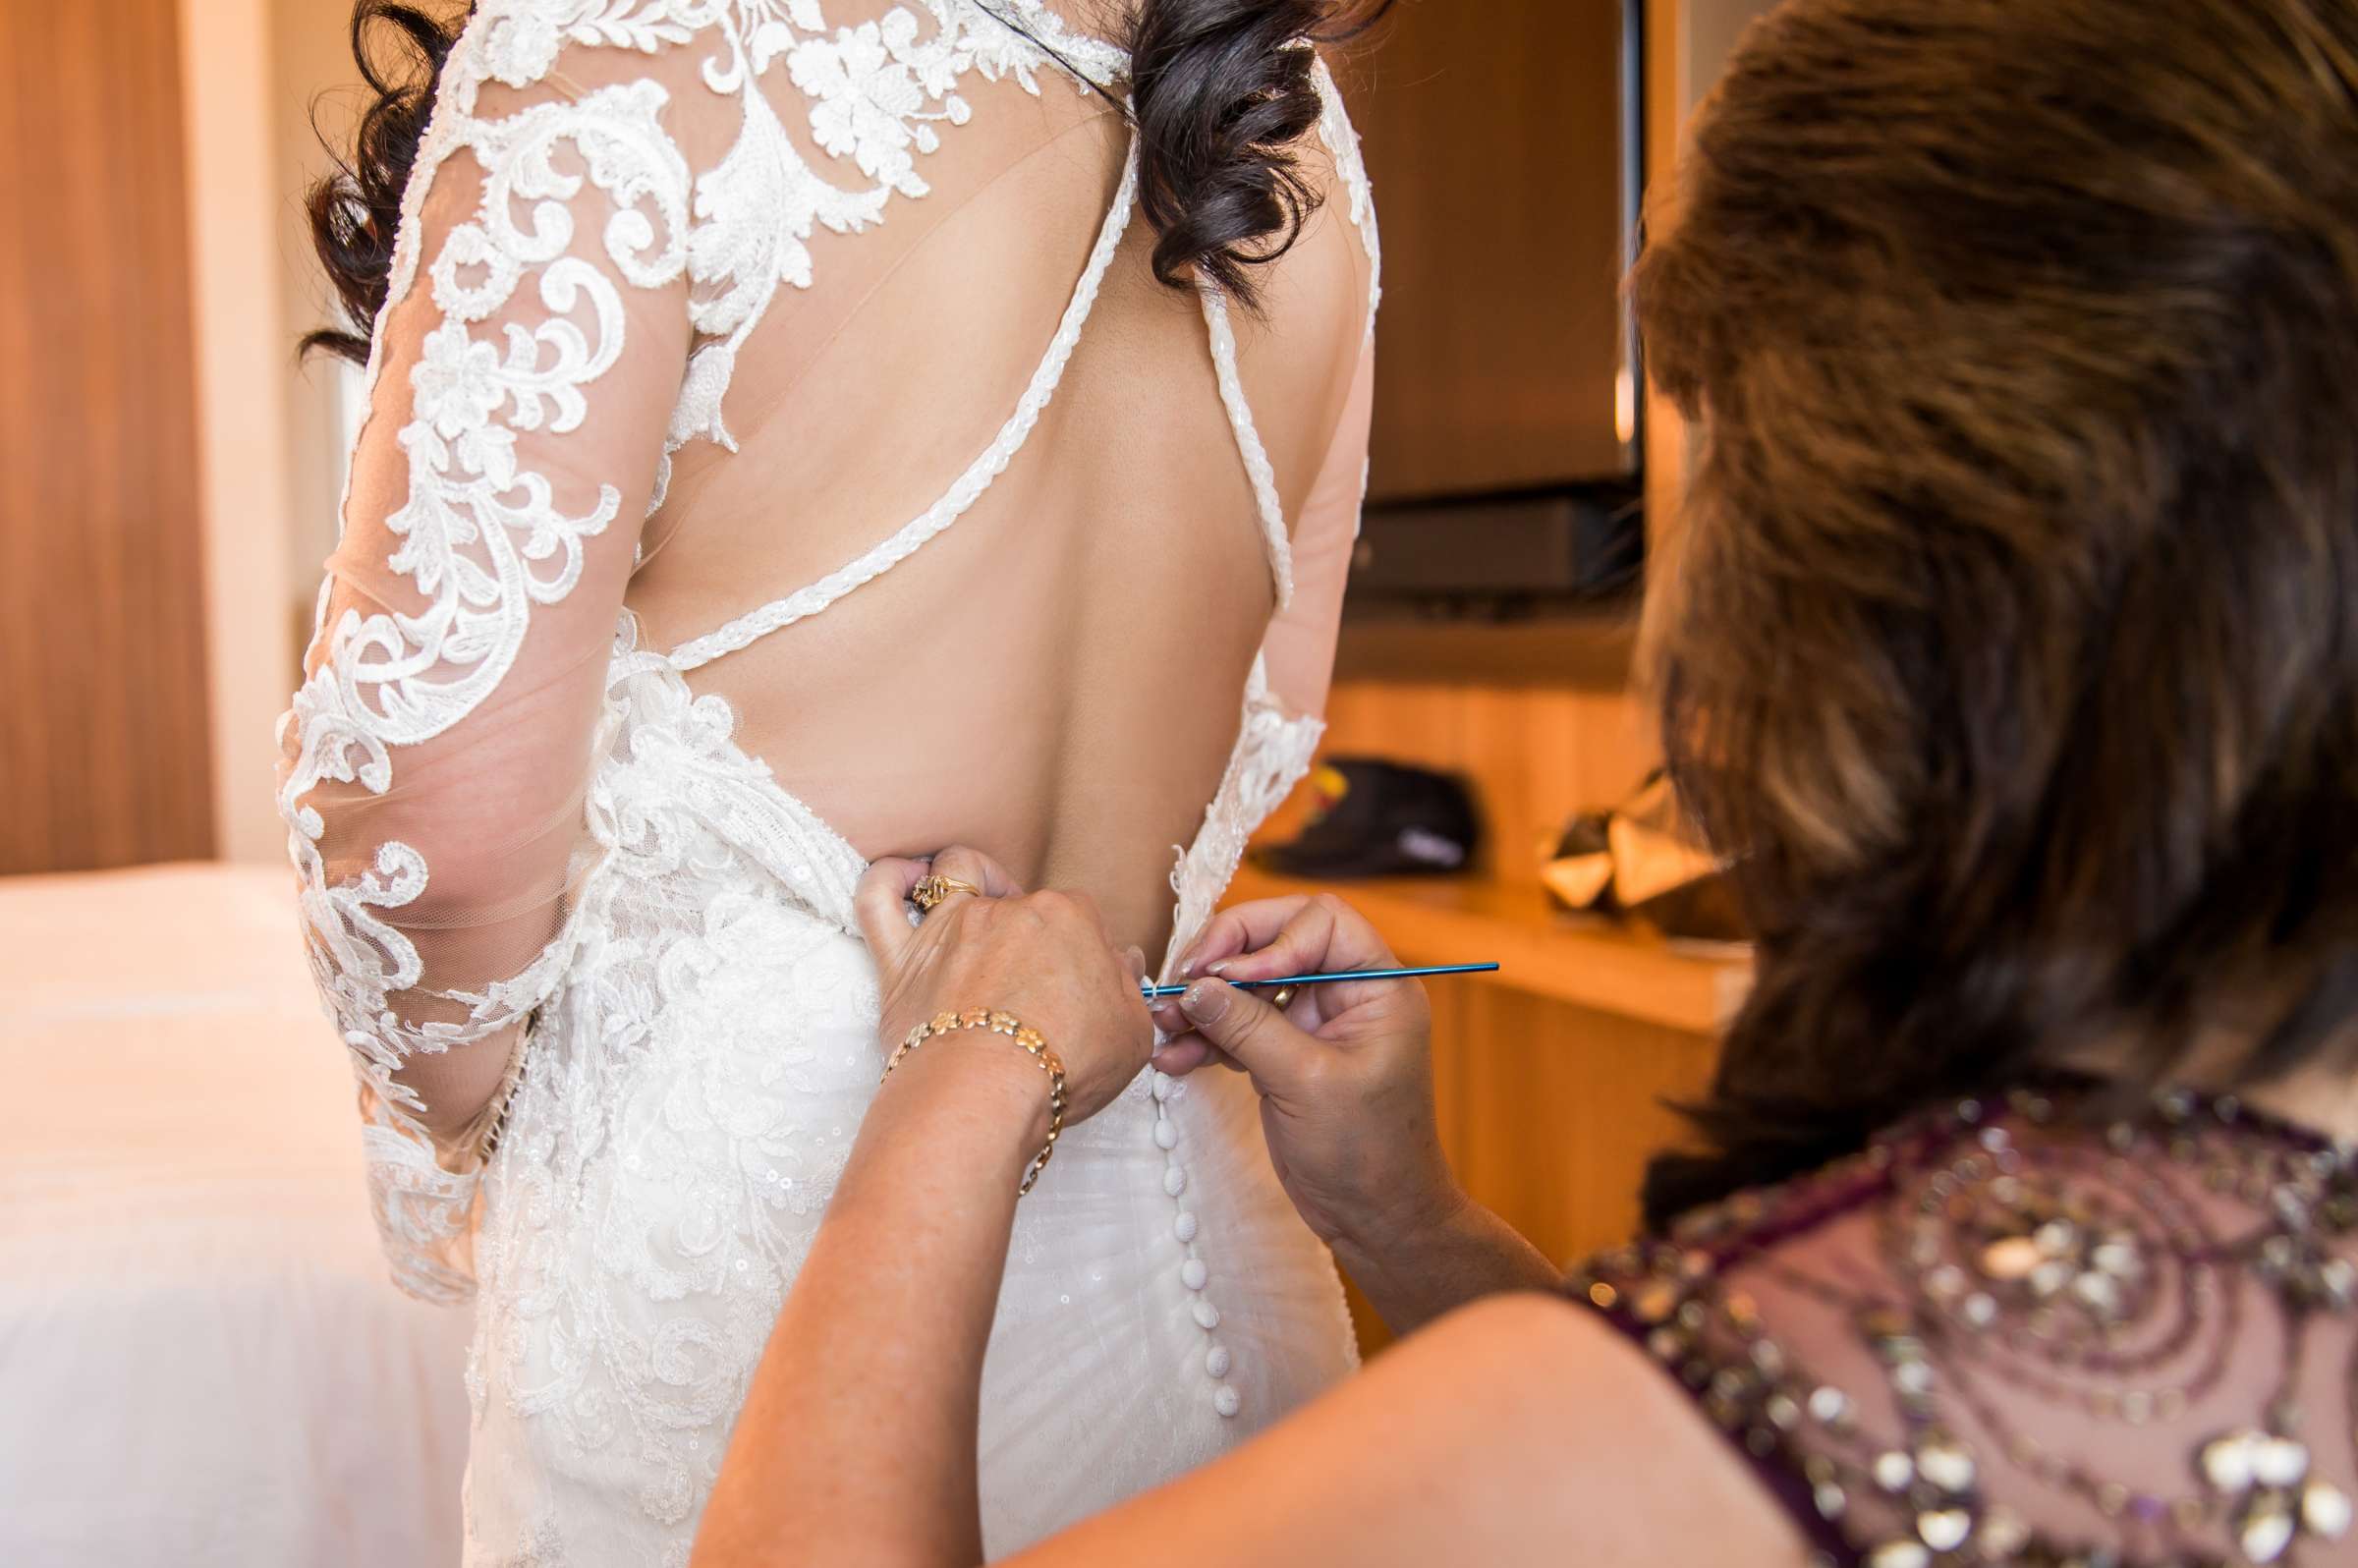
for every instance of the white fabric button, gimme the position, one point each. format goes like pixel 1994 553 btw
pixel 1207 1317
pixel 1166 1136
pixel 1184 1227
pixel 1193 1273
pixel 1163 1085
pixel 1215 1362
pixel 1226 1400
pixel 1174 1180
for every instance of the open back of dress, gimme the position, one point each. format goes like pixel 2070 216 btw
pixel 780 453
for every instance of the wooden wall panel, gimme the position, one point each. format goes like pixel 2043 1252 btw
pixel 103 738
pixel 1549 1113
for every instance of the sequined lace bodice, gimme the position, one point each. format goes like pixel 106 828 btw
pixel 2021 1332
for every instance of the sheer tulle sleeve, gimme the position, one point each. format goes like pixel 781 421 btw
pixel 1298 652
pixel 1300 645
pixel 524 370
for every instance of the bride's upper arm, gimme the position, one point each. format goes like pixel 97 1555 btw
pixel 1318 377
pixel 1520 1431
pixel 436 754
pixel 1300 645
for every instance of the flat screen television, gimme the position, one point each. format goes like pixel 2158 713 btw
pixel 1505 142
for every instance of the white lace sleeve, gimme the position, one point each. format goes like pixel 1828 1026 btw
pixel 526 367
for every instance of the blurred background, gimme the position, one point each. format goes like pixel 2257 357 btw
pixel 169 477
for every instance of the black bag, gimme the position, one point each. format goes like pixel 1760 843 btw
pixel 1378 819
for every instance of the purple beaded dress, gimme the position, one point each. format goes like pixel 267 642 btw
pixel 2023 1332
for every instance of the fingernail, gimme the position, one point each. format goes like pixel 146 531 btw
pixel 1205 1003
pixel 1221 967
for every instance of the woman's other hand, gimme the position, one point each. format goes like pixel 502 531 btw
pixel 862 1412
pixel 1344 1073
pixel 1345 1078
pixel 1043 957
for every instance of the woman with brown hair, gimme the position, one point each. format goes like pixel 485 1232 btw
pixel 2011 652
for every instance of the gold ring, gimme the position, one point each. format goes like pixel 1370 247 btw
pixel 932 890
pixel 1282 997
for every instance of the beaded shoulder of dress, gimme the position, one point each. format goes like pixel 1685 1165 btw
pixel 2031 1331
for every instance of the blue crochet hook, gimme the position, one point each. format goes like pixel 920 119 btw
pixel 1157 993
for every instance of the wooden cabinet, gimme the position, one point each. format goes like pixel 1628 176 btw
pixel 1555 1078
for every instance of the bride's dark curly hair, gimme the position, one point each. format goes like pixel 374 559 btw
pixel 1220 91
pixel 2012 639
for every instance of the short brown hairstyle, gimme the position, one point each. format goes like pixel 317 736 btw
pixel 2011 638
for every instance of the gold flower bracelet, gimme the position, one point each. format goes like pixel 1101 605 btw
pixel 1024 1035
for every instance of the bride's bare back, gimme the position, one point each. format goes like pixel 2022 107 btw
pixel 823 357
pixel 1055 679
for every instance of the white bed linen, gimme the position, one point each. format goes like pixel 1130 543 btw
pixel 201 1358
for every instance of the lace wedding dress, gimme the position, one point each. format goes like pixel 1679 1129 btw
pixel 514 816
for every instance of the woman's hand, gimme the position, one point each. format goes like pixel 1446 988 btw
pixel 860 1427
pixel 1345 1076
pixel 1043 957
pixel 1345 1073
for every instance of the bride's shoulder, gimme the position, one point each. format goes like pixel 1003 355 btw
pixel 1327 283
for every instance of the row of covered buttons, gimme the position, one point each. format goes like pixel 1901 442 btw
pixel 1192 1272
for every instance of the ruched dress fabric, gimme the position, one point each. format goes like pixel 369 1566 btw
pixel 524 834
